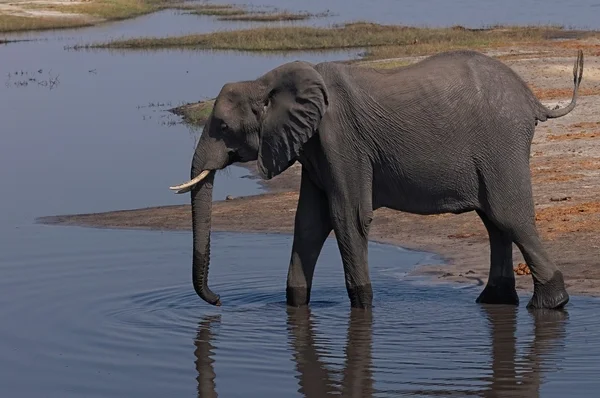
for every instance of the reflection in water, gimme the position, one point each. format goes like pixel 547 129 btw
pixel 510 375
pixel 314 378
pixel 548 336
pixel 204 361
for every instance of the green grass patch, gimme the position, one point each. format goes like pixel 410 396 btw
pixel 196 113
pixel 382 41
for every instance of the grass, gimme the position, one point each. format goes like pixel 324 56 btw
pixel 92 12
pixel 382 41
pixel 110 10
pixel 271 16
pixel 15 23
pixel 213 9
pixel 386 64
pixel 82 14
pixel 227 12
pixel 194 113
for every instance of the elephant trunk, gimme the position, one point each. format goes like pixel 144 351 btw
pixel 201 220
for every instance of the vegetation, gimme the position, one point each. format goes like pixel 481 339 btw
pixel 94 11
pixel 79 14
pixel 382 41
pixel 271 17
pixel 227 12
pixel 194 113
pixel 16 23
pixel 213 9
pixel 386 63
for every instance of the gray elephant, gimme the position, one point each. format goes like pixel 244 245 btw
pixel 449 134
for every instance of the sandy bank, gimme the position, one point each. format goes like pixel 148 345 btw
pixel 565 165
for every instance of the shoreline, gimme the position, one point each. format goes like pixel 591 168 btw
pixel 565 165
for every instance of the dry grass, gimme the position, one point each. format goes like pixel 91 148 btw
pixel 86 13
pixel 383 41
pixel 214 9
pixel 227 12
pixel 16 23
pixel 109 10
pixel 271 17
pixel 90 12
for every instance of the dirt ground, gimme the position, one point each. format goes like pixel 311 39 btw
pixel 565 166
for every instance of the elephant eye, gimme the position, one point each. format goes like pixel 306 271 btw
pixel 224 126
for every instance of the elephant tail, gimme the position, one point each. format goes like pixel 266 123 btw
pixel 577 75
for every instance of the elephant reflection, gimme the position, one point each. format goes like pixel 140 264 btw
pixel 549 334
pixel 315 379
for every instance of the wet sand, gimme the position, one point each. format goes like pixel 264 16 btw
pixel 565 165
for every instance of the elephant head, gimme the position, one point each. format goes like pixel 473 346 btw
pixel 267 119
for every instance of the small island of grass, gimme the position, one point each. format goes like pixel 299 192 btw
pixel 382 41
pixel 227 12
pixel 195 113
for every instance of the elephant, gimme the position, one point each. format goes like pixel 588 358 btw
pixel 450 133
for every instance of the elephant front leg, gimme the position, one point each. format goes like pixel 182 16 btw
pixel 312 226
pixel 351 226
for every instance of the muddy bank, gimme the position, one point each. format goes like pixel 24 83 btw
pixel 565 166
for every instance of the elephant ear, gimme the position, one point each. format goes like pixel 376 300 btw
pixel 294 108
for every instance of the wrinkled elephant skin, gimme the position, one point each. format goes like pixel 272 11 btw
pixel 449 134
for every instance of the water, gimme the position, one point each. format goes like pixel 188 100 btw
pixel 90 312
pixel 470 13
pixel 111 313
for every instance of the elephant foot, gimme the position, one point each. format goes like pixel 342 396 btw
pixel 549 295
pixel 297 296
pixel 361 296
pixel 499 291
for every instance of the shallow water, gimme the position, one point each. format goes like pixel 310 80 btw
pixel 112 313
pixel 90 312
pixel 101 138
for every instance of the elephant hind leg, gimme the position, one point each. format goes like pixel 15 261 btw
pixel 510 208
pixel 500 287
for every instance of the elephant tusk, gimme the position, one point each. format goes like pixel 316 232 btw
pixel 187 186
